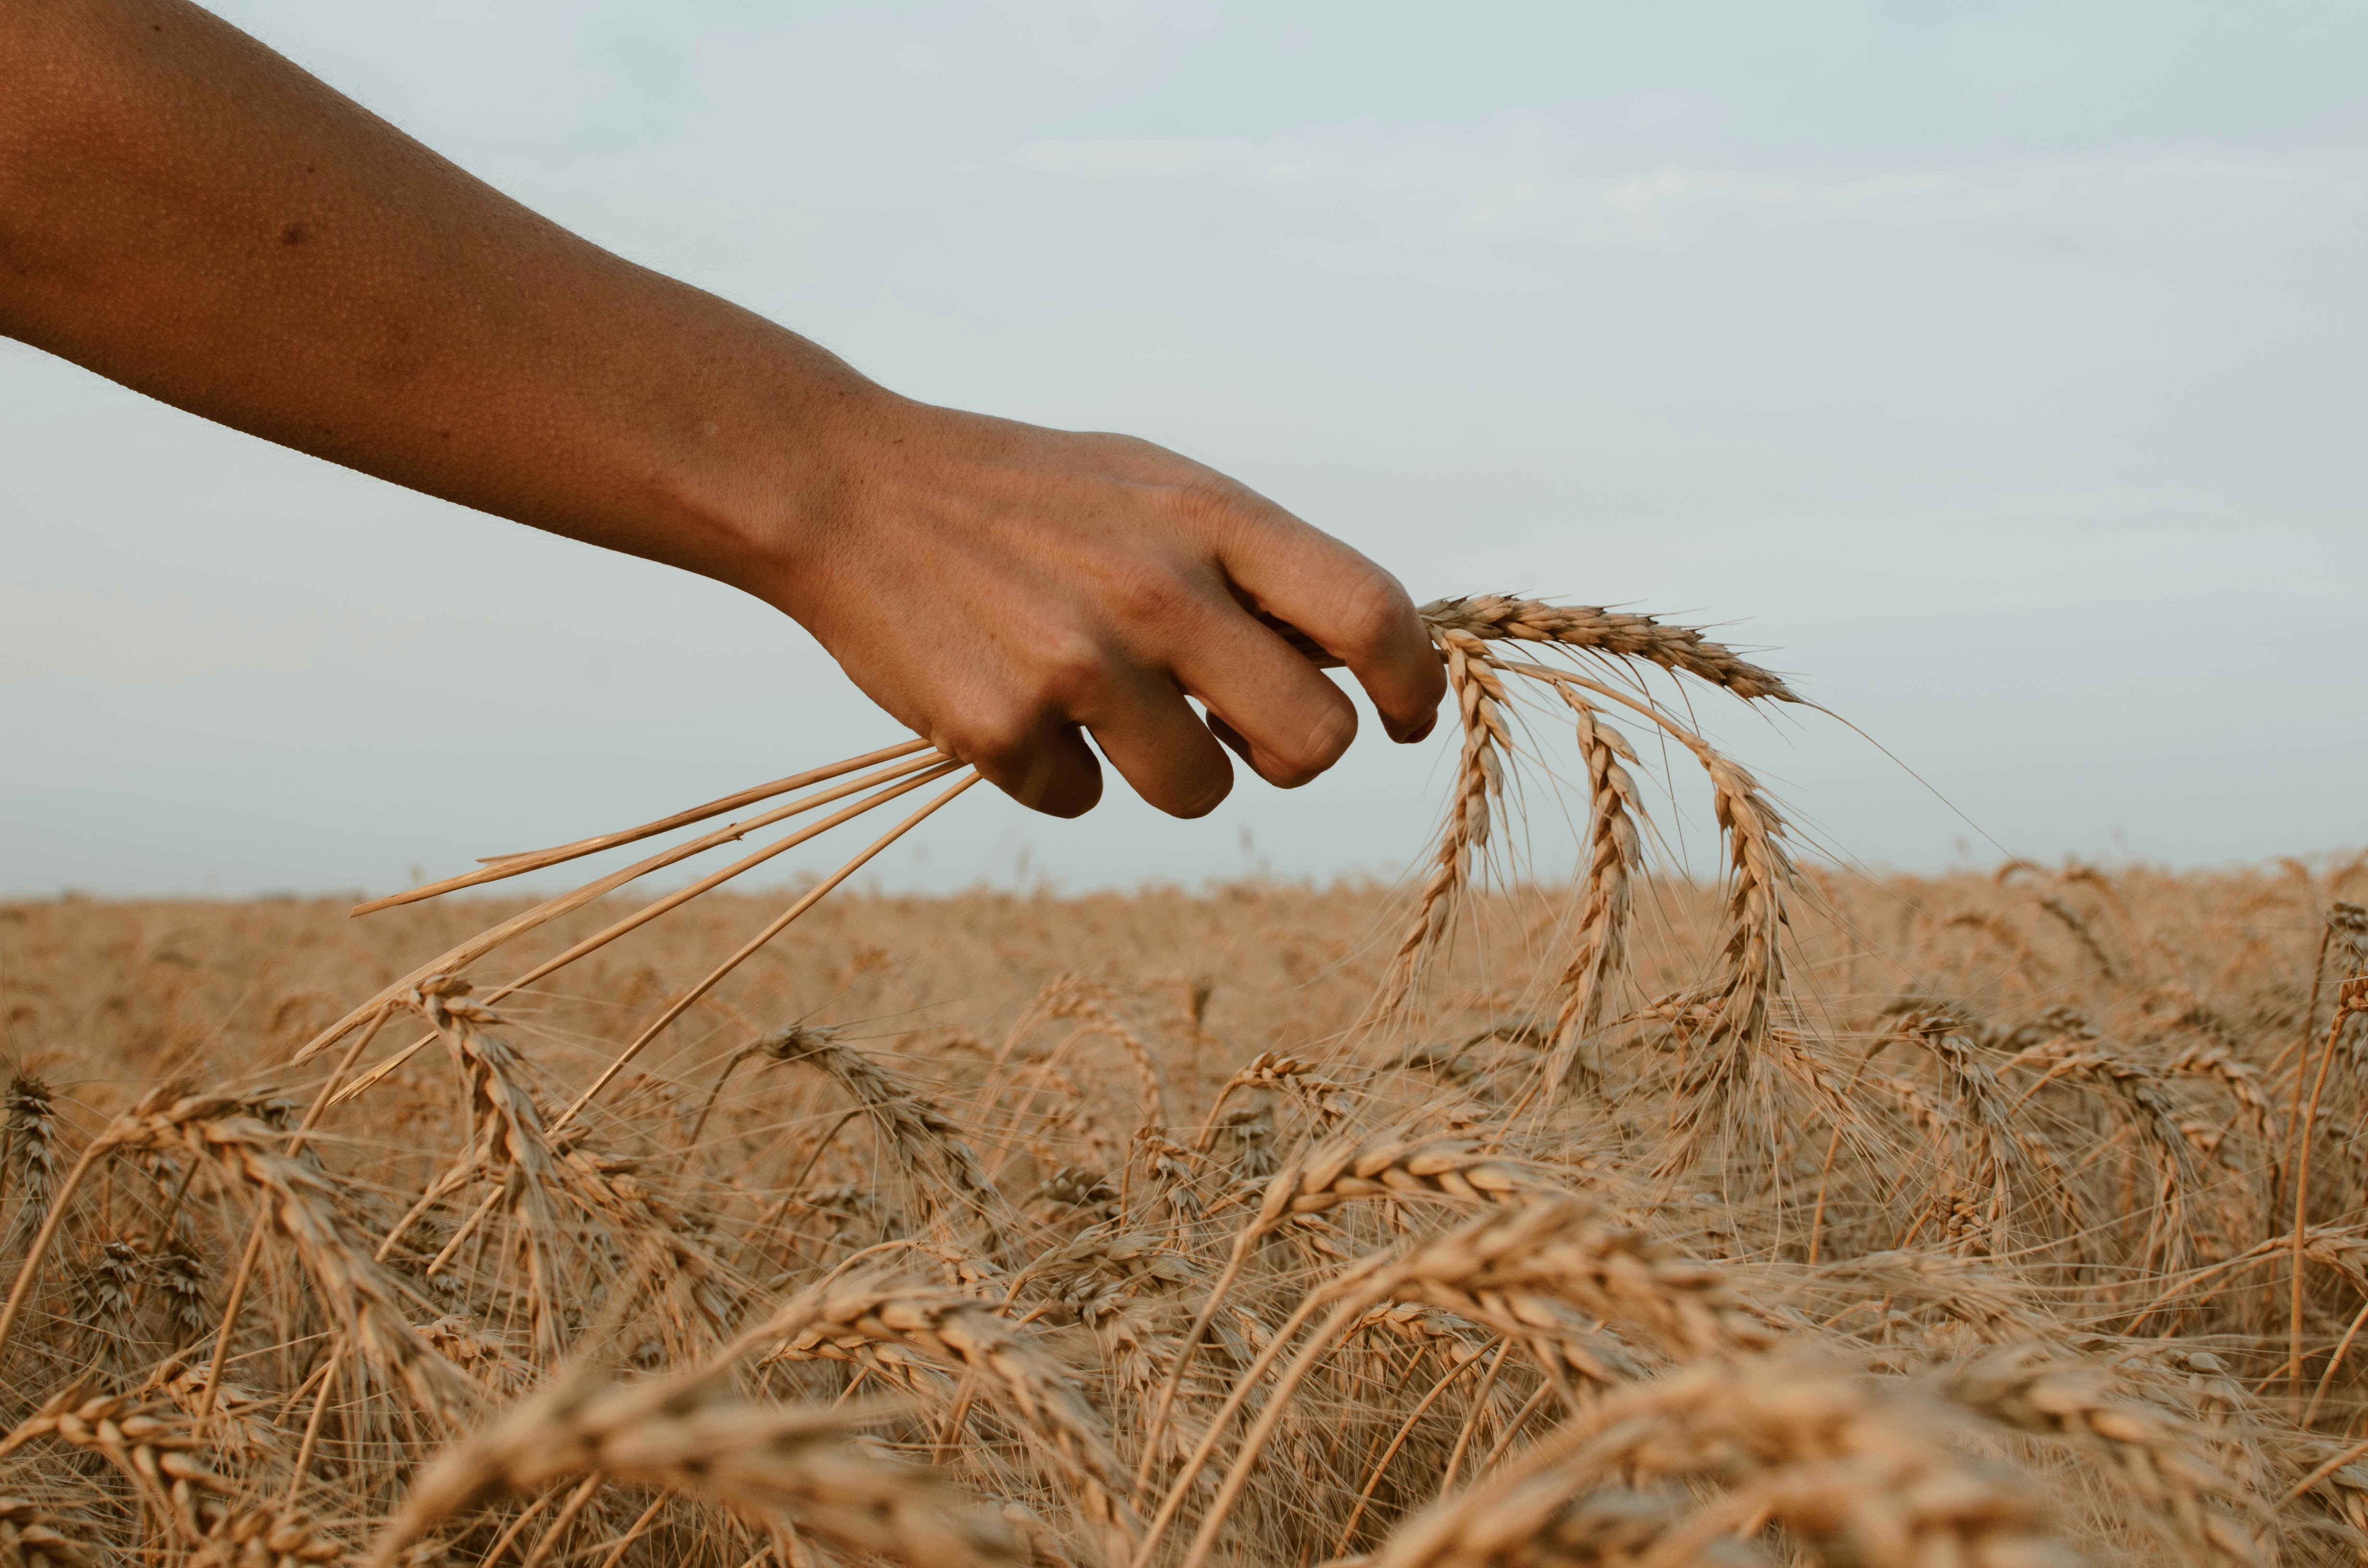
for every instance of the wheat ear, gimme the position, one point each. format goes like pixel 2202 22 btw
pixel 1615 856
pixel 2143 1448
pixel 1452 1170
pixel 30 1535
pixel 1479 782
pixel 1620 635
pixel 1855 1476
pixel 684 1434
pixel 856 1319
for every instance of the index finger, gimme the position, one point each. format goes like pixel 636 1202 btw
pixel 1345 606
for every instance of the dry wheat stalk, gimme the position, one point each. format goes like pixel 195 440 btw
pixel 498 867
pixel 897 779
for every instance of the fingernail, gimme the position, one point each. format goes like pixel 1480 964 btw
pixel 1421 732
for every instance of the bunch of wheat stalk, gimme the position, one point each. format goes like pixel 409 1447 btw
pixel 1973 1223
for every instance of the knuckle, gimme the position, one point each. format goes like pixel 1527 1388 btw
pixel 1371 612
pixel 995 739
pixel 1147 599
pixel 1069 672
pixel 1213 500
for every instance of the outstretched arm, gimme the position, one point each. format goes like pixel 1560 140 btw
pixel 187 213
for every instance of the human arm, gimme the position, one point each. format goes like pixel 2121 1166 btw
pixel 190 214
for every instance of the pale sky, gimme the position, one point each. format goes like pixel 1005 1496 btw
pixel 1996 369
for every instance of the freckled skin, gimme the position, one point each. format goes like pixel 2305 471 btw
pixel 187 213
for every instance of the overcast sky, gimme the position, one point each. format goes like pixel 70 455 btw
pixel 1996 368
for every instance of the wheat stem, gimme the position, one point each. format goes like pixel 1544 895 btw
pixel 496 868
pixel 781 924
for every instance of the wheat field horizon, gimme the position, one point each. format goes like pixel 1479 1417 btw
pixel 1510 1214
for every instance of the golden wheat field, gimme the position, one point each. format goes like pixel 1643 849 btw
pixel 1793 1215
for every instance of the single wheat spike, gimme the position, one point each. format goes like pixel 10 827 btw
pixel 30 1538
pixel 1677 648
pixel 507 1140
pixel 684 1434
pixel 1615 856
pixel 1539 1524
pixel 2078 1050
pixel 1855 1476
pixel 2219 1062
pixel 1098 1273
pixel 1970 1289
pixel 2069 919
pixel 1272 1070
pixel 853 1319
pixel 267 1536
pixel 1517 1271
pixel 1091 1004
pixel 1984 1129
pixel 1487 738
pixel 180 1277
pixel 2144 1448
pixel 150 1445
pixel 31 1163
pixel 924 1136
pixel 1759 874
pixel 1384 1166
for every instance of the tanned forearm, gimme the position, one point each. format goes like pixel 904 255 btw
pixel 186 213
pixel 183 212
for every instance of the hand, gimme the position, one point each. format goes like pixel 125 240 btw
pixel 998 587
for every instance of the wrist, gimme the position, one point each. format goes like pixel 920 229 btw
pixel 772 490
